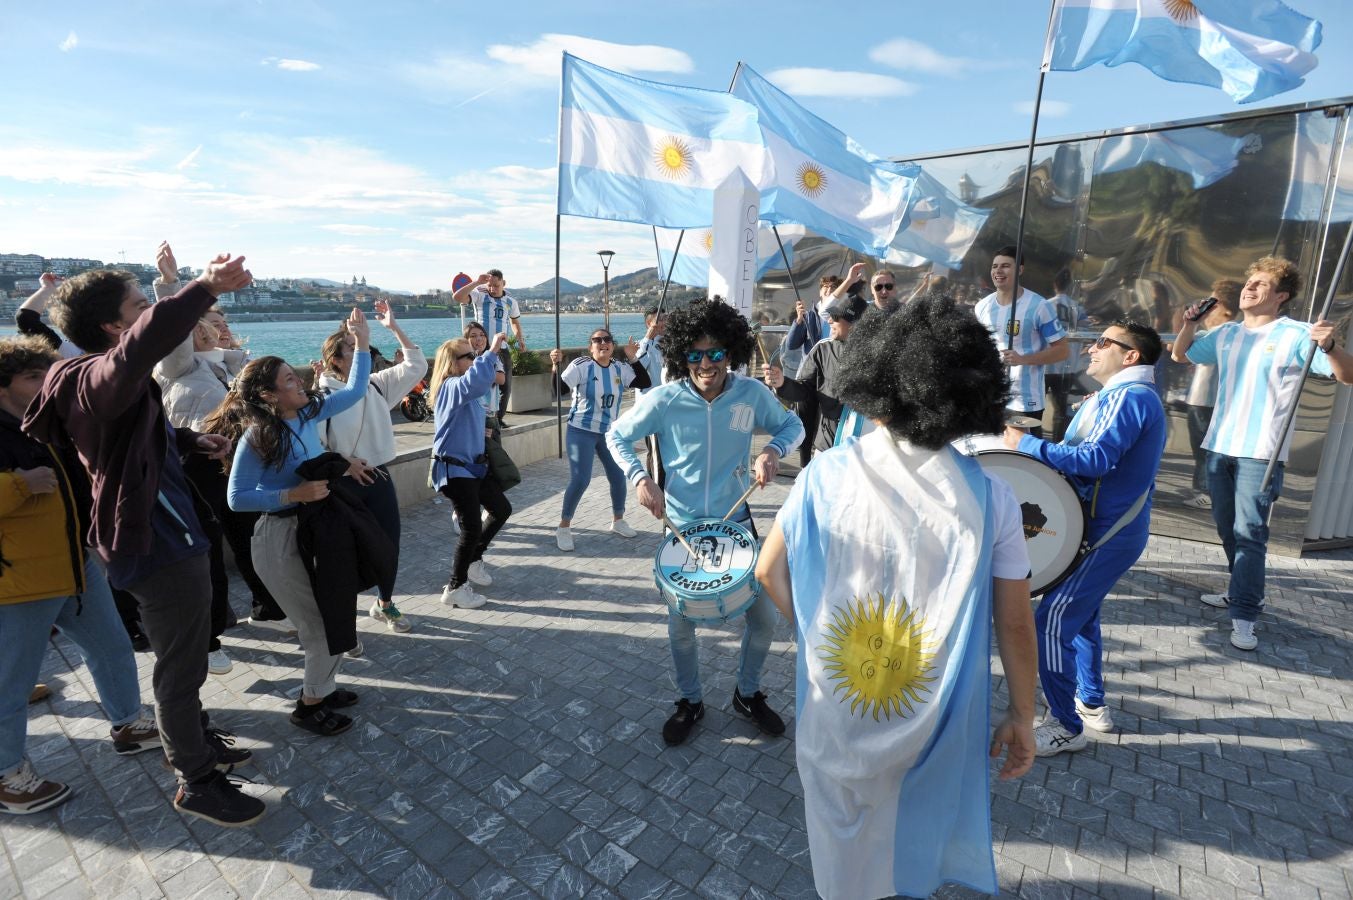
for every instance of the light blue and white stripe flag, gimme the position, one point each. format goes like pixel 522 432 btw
pixel 633 150
pixel 889 551
pixel 1204 155
pixel 692 260
pixel 819 177
pixel 1252 50
pixel 940 228
pixel 1312 145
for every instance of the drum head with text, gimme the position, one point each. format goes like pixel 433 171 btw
pixel 719 582
pixel 1054 518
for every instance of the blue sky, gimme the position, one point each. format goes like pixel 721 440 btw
pixel 407 141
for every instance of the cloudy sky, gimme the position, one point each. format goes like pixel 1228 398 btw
pixel 407 141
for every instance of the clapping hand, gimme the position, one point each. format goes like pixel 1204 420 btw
pixel 384 314
pixel 165 262
pixel 225 274
pixel 631 349
pixel 359 328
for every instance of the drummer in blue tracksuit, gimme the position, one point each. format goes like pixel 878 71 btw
pixel 703 419
pixel 1111 453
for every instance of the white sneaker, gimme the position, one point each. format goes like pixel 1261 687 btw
pixel 1051 738
pixel 455 522
pixel 463 596
pixel 1100 719
pixel 564 538
pixel 1199 501
pixel 218 663
pixel 479 573
pixel 622 528
pixel 1220 601
pixel 356 652
pixel 1242 635
pixel 394 620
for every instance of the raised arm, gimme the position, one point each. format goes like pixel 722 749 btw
pixel 28 317
pixel 462 294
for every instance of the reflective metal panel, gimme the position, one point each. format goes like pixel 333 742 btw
pixel 1145 220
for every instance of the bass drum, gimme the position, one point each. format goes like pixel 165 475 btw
pixel 1054 517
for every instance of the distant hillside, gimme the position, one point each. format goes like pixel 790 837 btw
pixel 545 290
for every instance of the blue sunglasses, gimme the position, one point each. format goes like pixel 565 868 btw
pixel 716 355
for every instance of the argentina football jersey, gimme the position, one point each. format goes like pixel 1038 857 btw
pixel 597 391
pixel 493 312
pixel 1036 327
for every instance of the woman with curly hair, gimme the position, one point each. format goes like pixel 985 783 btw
pixel 892 557
pixel 275 423
pixel 460 380
pixel 598 382
pixel 703 419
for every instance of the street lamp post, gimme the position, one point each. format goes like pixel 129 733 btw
pixel 606 283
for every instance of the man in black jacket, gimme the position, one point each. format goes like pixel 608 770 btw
pixel 817 375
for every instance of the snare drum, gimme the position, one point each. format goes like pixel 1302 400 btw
pixel 719 583
pixel 1054 517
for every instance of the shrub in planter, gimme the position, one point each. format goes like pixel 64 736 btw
pixel 524 362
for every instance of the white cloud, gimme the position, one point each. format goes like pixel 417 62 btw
pixel 904 53
pixel 91 168
pixel 542 58
pixel 805 82
pixel 291 65
pixel 1051 108
pixel 70 43
pixel 190 160
pixel 354 230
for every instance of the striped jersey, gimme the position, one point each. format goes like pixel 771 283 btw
pixel 597 391
pixel 492 312
pixel 1258 380
pixel 650 357
pixel 1036 328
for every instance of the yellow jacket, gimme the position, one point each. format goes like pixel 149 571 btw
pixel 41 548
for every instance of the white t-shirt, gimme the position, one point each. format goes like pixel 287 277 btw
pixel 1009 554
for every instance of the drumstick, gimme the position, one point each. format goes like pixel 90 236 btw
pixel 677 534
pixel 765 357
pixel 741 500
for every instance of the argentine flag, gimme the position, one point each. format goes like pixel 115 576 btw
pixel 633 150
pixel 889 551
pixel 1252 49
pixel 940 228
pixel 692 257
pixel 1204 155
pixel 819 177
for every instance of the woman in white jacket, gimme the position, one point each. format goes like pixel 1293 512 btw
pixel 365 432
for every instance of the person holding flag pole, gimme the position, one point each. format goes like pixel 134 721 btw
pixel 1258 360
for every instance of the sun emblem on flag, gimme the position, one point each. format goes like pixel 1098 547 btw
pixel 811 179
pixel 879 656
pixel 673 157
pixel 708 241
pixel 1181 10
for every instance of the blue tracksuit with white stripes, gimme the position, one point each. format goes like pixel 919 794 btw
pixel 1111 467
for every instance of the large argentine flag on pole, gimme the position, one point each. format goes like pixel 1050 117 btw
pixel 819 177
pixel 633 150
pixel 889 551
pixel 1252 49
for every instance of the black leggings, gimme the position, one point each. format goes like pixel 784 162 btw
pixel 468 495
pixel 381 501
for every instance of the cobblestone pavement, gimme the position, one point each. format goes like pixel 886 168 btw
pixel 514 751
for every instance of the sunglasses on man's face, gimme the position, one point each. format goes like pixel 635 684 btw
pixel 1103 342
pixel 884 286
pixel 715 355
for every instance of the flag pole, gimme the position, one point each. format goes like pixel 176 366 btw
pixel 670 269
pixel 788 268
pixel 558 341
pixel 1306 366
pixel 1011 324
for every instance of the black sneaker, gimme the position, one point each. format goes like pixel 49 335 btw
pixel 140 643
pixel 679 726
pixel 228 756
pixel 755 708
pixel 220 801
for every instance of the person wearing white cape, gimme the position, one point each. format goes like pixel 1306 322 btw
pixel 893 555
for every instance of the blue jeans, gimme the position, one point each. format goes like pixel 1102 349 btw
pixel 1241 514
pixel 755 646
pixel 582 445
pixel 92 623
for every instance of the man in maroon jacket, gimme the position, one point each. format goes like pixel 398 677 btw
pixel 107 407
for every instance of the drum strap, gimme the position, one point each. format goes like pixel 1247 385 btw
pixel 1124 520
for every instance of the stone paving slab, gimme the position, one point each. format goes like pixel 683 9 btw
pixel 515 750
